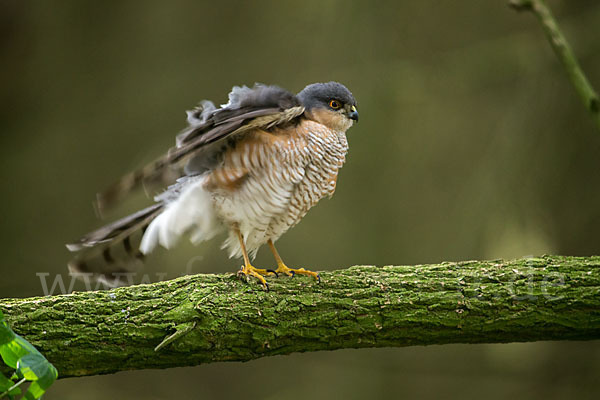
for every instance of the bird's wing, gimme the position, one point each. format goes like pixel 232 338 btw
pixel 259 107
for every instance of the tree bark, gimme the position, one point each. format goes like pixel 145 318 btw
pixel 207 318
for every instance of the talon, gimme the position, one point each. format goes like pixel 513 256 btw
pixel 247 269
pixel 292 272
pixel 273 272
pixel 257 273
pixel 242 276
pixel 283 269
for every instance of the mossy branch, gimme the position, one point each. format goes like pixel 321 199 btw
pixel 564 53
pixel 207 318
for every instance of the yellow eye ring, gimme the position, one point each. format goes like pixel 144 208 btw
pixel 335 104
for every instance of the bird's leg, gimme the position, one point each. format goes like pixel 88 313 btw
pixel 283 269
pixel 248 269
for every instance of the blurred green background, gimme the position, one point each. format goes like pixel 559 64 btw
pixel 471 144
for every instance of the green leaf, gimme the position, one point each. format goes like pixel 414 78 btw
pixel 6 384
pixel 34 367
pixel 29 363
pixel 34 391
pixel 15 349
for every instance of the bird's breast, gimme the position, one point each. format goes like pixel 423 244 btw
pixel 267 183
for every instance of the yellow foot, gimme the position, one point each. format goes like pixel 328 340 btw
pixel 258 273
pixel 283 269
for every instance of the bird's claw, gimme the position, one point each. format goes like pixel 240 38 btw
pixel 248 270
pixel 292 272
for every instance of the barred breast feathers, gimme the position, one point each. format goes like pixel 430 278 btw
pixel 285 173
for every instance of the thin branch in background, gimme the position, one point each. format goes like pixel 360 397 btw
pixel 564 52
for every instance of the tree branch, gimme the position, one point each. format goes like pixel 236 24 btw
pixel 564 52
pixel 207 318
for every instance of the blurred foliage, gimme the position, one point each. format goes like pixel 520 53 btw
pixel 471 145
pixel 29 365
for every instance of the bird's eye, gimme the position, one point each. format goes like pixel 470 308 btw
pixel 334 104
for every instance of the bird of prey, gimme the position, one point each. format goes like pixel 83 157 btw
pixel 252 168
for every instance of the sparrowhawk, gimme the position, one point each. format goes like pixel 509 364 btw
pixel 252 168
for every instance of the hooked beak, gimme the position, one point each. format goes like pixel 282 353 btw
pixel 353 114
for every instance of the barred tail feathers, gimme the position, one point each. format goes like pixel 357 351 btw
pixel 111 251
pixel 118 248
pixel 156 174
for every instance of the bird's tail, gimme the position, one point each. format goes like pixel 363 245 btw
pixel 112 251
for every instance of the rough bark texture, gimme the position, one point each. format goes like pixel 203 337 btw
pixel 207 318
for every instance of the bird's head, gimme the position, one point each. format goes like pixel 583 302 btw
pixel 330 104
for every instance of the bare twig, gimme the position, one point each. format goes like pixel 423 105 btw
pixel 564 52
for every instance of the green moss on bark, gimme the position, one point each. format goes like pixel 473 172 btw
pixel 206 318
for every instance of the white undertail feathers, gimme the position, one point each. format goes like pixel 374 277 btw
pixel 188 210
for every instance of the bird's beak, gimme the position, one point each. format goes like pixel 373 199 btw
pixel 353 114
